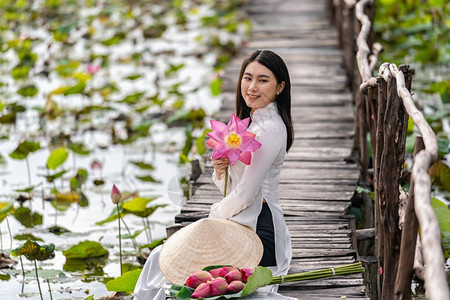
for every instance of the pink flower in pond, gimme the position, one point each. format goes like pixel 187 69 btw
pixel 232 140
pixel 233 275
pixel 198 278
pixel 116 196
pixel 96 165
pixel 92 69
pixel 218 286
pixel 246 273
pixel 235 287
pixel 202 291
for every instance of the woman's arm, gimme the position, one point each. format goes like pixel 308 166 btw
pixel 273 140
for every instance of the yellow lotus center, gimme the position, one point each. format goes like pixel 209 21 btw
pixel 233 140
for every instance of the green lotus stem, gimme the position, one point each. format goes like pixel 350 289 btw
pixel 10 234
pixel 341 270
pixel 120 239
pixel 28 170
pixel 49 289
pixel 37 278
pixel 23 273
pixel 226 183
pixel 136 247
pixel 148 229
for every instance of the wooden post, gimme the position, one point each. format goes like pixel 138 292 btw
pixel 408 244
pixel 371 272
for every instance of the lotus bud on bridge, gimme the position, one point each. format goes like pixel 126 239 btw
pixel 235 287
pixel 202 291
pixel 246 273
pixel 218 286
pixel 233 275
pixel 198 278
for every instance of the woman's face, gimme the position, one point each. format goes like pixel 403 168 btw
pixel 259 86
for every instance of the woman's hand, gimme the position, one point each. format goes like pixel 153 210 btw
pixel 220 166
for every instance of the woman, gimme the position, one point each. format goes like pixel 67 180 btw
pixel 263 94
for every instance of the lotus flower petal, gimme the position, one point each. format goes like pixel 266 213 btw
pixel 249 144
pixel 233 156
pixel 246 157
pixel 235 287
pixel 202 291
pixel 198 278
pixel 218 286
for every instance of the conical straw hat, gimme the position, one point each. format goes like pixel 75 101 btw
pixel 209 242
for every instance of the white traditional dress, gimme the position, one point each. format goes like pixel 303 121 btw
pixel 248 185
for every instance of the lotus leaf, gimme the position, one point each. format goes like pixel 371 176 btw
pixel 27 218
pixel 86 249
pixel 137 204
pixel 27 236
pixel 24 149
pixel 33 251
pixel 124 283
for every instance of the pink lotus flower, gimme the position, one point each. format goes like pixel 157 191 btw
pixel 198 278
pixel 218 286
pixel 235 287
pixel 221 272
pixel 233 275
pixel 215 272
pixel 116 196
pixel 202 291
pixel 246 273
pixel 92 69
pixel 232 140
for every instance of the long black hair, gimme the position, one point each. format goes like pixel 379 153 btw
pixel 275 64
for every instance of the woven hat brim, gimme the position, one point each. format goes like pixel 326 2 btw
pixel 209 242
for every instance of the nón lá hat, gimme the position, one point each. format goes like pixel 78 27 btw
pixel 209 242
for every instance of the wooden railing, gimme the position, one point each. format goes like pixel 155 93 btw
pixel 383 105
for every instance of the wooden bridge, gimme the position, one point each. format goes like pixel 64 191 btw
pixel 316 182
pixel 319 177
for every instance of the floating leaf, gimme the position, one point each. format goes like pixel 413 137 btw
pixel 24 149
pixel 147 178
pixel 66 67
pixel 28 189
pixel 79 148
pixel 67 197
pixel 46 274
pixel 58 230
pixel 124 283
pixel 132 98
pixel 133 77
pixel 94 264
pixel 27 91
pixel 79 179
pixel 143 165
pixel 33 251
pixel 116 39
pixel 27 218
pixel 27 236
pixel 53 177
pixel 85 249
pixel 173 69
pixel 76 89
pixel 91 297
pixel 112 216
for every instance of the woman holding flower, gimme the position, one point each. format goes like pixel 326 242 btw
pixel 263 94
pixel 250 189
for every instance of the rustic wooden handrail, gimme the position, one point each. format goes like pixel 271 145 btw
pixel 382 108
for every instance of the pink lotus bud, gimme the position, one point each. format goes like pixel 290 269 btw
pixel 218 287
pixel 235 287
pixel 233 275
pixel 246 273
pixel 198 278
pixel 95 164
pixel 116 196
pixel 92 69
pixel 215 272
pixel 202 291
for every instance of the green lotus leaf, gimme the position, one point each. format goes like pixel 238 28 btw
pixel 27 236
pixel 124 283
pixel 142 165
pixel 33 251
pixel 75 89
pixel 27 91
pixel 24 149
pixel 147 211
pixel 152 245
pixel 135 234
pixel 148 178
pixel 28 189
pixel 27 218
pixel 137 204
pixel 79 148
pixel 86 249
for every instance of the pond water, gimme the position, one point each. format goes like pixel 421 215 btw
pixel 123 89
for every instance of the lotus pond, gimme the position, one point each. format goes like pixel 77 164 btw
pixel 95 93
